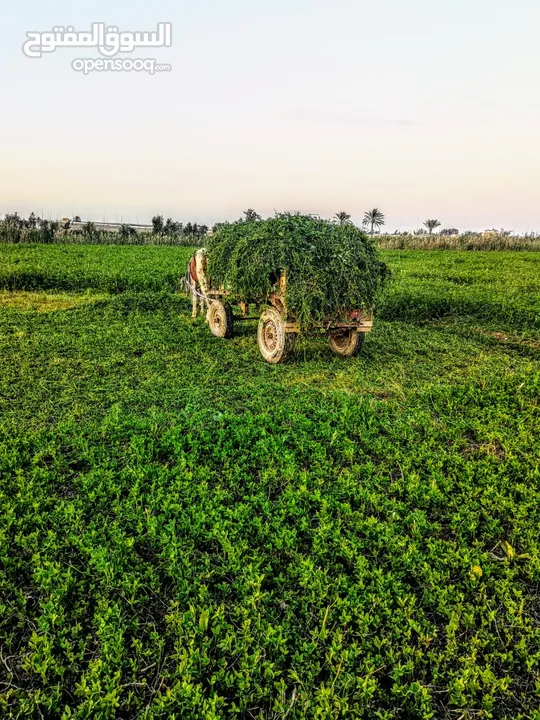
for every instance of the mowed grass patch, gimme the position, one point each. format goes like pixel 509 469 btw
pixel 45 302
pixel 189 531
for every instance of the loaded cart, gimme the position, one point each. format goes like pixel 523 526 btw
pixel 278 329
pixel 293 273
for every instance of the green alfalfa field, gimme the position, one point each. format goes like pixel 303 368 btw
pixel 187 532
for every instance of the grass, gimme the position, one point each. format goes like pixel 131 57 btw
pixel 108 268
pixel 14 234
pixel 188 532
pixel 490 240
pixel 500 288
pixel 468 240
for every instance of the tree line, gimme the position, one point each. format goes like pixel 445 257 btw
pixel 14 228
pixel 170 227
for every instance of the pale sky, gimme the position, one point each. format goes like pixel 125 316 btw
pixel 419 108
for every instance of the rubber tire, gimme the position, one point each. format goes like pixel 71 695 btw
pixel 220 319
pixel 347 344
pixel 275 344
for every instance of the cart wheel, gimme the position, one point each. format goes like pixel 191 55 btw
pixel 220 319
pixel 275 344
pixel 347 343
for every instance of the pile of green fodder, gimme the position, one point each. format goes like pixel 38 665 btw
pixel 330 269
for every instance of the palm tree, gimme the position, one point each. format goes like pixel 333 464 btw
pixel 342 217
pixel 431 225
pixel 374 218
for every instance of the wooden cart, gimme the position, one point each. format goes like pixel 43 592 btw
pixel 278 330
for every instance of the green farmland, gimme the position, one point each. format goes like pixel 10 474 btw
pixel 187 532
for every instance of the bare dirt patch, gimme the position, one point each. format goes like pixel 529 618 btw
pixel 504 338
